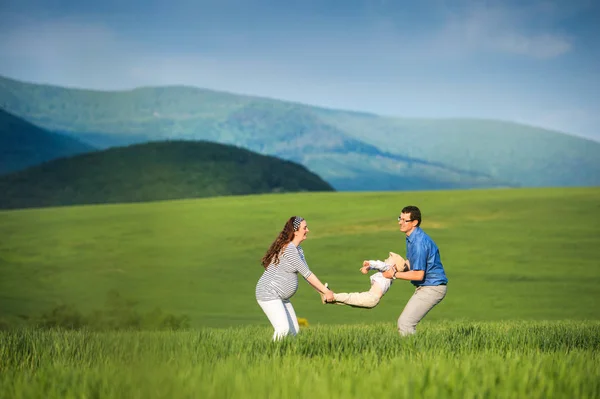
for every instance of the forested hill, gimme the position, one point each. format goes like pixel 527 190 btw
pixel 154 171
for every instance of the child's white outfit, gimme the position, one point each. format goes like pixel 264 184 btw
pixel 367 299
pixel 378 278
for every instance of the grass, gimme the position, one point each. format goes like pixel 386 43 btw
pixel 520 318
pixel 447 359
pixel 509 254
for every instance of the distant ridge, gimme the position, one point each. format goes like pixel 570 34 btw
pixel 350 150
pixel 154 171
pixel 23 144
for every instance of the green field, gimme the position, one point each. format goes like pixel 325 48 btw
pixel 515 254
pixel 448 360
pixel 521 318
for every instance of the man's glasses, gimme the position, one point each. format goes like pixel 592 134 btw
pixel 404 220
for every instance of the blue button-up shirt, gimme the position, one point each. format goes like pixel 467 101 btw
pixel 424 254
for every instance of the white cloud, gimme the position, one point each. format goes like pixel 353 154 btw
pixel 540 46
pixel 66 52
pixel 501 29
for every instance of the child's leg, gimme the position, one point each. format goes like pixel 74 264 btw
pixel 368 299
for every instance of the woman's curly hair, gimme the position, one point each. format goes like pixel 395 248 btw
pixel 284 238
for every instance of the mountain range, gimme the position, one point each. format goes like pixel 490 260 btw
pixel 350 150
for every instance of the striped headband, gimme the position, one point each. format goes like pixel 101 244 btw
pixel 297 221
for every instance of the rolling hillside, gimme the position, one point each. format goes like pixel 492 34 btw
pixel 154 171
pixel 352 151
pixel 23 144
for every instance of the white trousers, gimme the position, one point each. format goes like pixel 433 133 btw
pixel 282 316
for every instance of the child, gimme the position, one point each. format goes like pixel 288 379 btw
pixel 379 284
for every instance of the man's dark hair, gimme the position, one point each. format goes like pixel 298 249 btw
pixel 415 213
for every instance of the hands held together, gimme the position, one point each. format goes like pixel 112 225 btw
pixel 329 296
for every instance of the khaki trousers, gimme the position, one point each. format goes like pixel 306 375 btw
pixel 422 301
pixel 357 299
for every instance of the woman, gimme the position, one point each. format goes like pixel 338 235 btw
pixel 282 262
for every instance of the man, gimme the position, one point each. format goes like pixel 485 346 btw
pixel 426 271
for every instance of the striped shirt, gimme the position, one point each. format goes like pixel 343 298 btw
pixel 281 281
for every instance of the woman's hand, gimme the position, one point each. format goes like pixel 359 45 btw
pixel 329 296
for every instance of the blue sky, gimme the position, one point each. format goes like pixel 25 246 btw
pixel 534 62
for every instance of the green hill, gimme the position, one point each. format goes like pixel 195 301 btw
pixel 23 144
pixel 352 151
pixel 154 171
pixel 505 256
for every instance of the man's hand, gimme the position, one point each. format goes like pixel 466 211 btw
pixel 364 269
pixel 365 263
pixel 389 273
